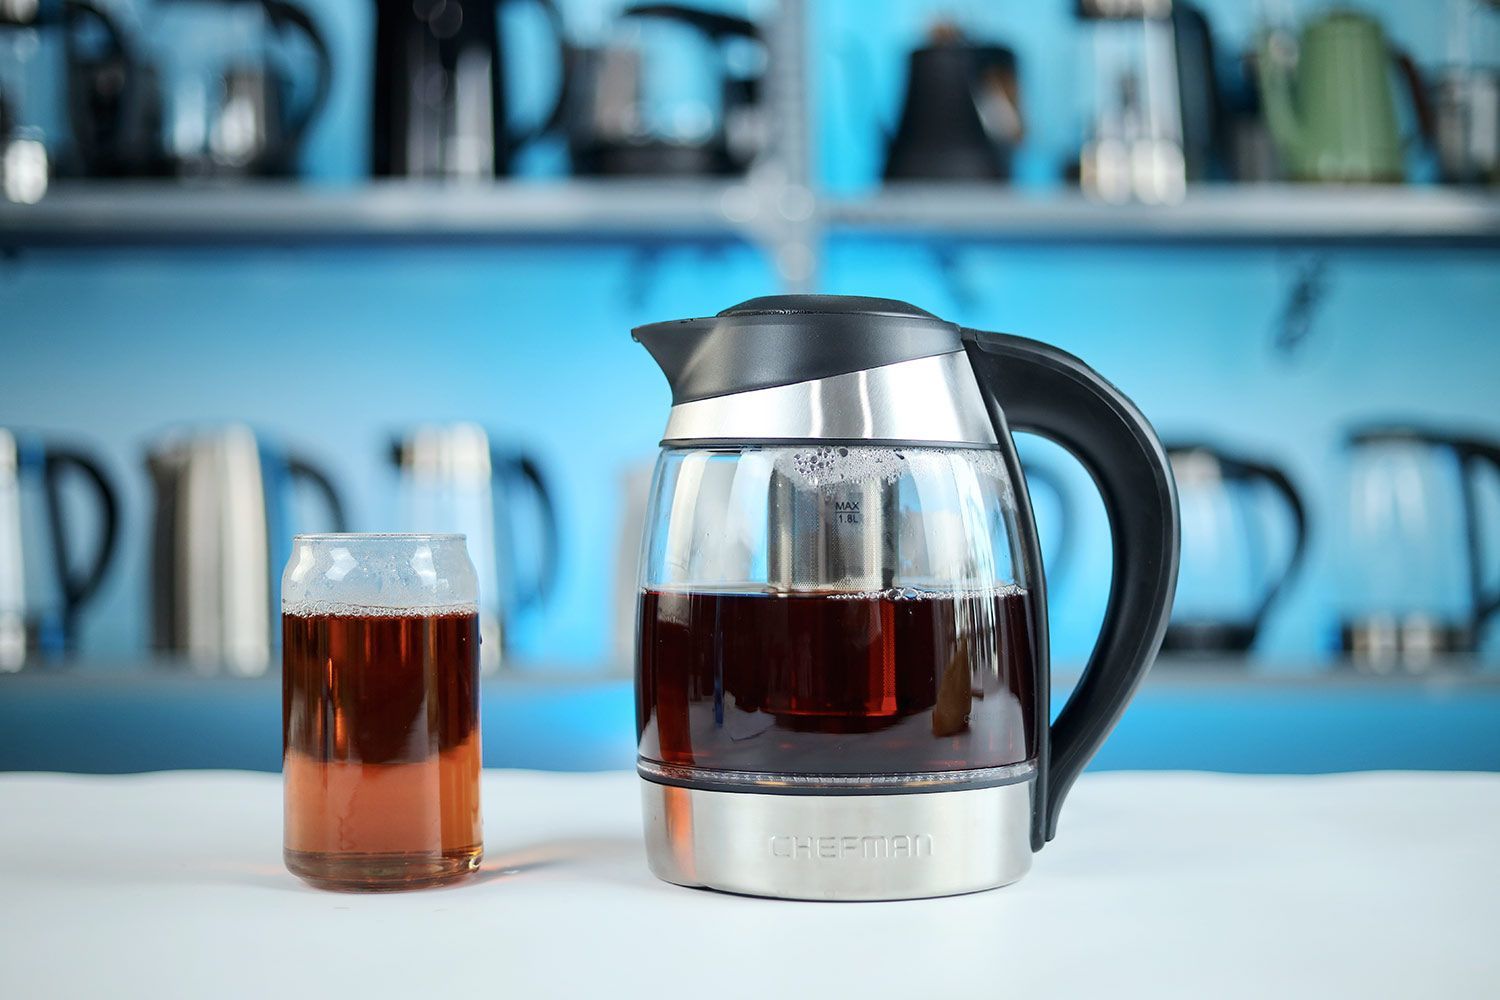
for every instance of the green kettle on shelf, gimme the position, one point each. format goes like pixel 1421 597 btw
pixel 1332 115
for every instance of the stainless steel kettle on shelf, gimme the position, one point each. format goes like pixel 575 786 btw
pixel 222 532
pixel 842 674
pixel 44 585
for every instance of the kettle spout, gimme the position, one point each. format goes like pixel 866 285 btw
pixel 679 348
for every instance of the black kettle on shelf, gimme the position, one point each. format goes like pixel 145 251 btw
pixel 439 103
pixel 1228 583
pixel 48 575
pixel 242 117
pixel 611 131
pixel 961 117
pixel 259 109
pixel 112 96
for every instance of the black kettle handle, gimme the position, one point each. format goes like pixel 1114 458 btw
pixel 79 587
pixel 283 14
pixel 716 25
pixel 553 119
pixel 1474 454
pixel 1046 391
pixel 300 468
pixel 1416 88
pixel 505 464
pixel 1245 469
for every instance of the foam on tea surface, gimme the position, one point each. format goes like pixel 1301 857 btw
pixel 922 593
pixel 374 576
pixel 339 609
pixel 815 468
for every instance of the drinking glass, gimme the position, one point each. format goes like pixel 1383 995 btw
pixel 380 711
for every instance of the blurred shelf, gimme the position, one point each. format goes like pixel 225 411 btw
pixel 1252 214
pixel 166 213
pixel 106 716
pixel 147 714
pixel 269 213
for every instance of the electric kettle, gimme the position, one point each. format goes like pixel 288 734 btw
pixel 222 532
pixel 44 585
pixel 961 118
pixel 1412 574
pixel 1228 584
pixel 113 96
pixel 454 479
pixel 1332 115
pixel 220 100
pixel 842 676
pixel 620 126
pixel 237 101
pixel 1136 147
pixel 439 101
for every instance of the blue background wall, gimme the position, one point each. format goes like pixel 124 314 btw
pixel 332 349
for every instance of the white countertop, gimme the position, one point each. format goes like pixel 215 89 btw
pixel 1159 885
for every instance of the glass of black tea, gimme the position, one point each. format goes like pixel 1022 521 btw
pixel 380 711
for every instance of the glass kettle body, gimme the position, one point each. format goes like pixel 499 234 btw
pixel 1414 584
pixel 843 608
pixel 1244 538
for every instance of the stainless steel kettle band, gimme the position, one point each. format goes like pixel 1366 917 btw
pixel 785 783
pixel 931 400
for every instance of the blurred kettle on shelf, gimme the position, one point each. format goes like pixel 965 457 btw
pixel 18 13
pixel 1134 149
pixel 44 584
pixel 1228 580
pixel 1330 108
pixel 222 531
pixel 1466 97
pixel 1412 574
pixel 25 163
pixel 619 125
pixel 453 478
pixel 235 104
pixel 439 104
pixel 1466 128
pixel 222 101
pixel 113 97
pixel 961 116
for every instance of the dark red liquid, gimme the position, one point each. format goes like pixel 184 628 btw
pixel 835 684
pixel 380 729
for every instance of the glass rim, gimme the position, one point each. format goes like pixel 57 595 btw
pixel 380 536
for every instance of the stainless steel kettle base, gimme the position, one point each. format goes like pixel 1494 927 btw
pixel 839 847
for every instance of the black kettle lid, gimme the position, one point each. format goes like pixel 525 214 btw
pixel 783 339
pixel 825 305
